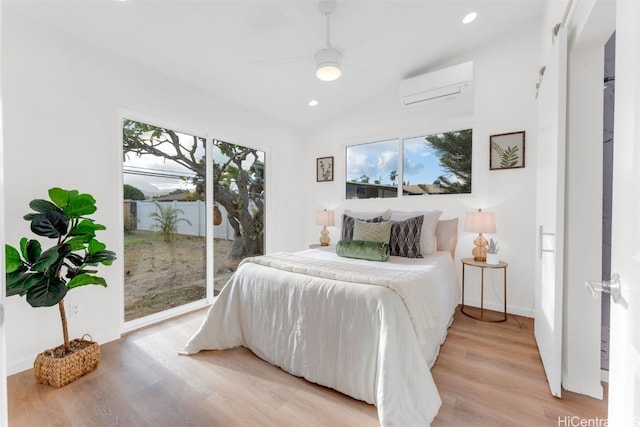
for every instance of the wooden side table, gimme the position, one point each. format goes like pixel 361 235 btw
pixel 483 265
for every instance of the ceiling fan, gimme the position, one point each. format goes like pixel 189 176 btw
pixel 328 60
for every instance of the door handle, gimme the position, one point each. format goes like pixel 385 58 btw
pixel 611 287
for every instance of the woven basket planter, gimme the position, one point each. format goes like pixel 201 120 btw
pixel 60 371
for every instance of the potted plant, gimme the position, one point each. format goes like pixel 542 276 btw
pixel 45 276
pixel 492 253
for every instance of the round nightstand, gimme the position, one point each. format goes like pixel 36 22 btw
pixel 317 245
pixel 483 265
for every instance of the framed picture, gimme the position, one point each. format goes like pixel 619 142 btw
pixel 506 151
pixel 324 169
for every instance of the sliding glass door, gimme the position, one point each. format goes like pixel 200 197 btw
pixel 239 207
pixel 165 220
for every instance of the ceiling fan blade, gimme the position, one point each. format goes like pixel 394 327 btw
pixel 365 65
pixel 268 62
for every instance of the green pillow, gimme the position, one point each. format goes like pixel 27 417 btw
pixel 372 231
pixel 361 249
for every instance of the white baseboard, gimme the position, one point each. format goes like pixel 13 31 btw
pixel 519 311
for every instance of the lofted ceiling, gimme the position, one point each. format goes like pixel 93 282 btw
pixel 260 53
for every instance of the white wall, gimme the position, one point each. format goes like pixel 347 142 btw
pixel 504 101
pixel 63 102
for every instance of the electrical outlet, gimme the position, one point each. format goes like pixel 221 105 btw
pixel 75 309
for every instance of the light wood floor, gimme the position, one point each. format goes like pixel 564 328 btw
pixel 487 375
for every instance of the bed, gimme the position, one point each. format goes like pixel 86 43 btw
pixel 371 330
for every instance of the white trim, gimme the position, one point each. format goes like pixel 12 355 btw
pixel 151 319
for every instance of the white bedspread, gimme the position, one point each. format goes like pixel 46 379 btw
pixel 357 338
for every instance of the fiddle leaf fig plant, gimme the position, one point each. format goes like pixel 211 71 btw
pixel 45 276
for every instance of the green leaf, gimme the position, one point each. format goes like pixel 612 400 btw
pixel 31 251
pixel 20 281
pixel 86 279
pixel 83 204
pixel 47 292
pixel 104 257
pixel 96 246
pixel 79 242
pixel 23 246
pixel 43 206
pixel 73 272
pixel 12 258
pixel 46 260
pixel 59 196
pixel 75 259
pixel 50 224
pixel 509 158
pixel 86 226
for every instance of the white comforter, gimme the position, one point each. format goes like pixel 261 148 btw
pixel 361 339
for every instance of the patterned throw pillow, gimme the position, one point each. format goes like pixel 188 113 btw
pixel 348 224
pixel 405 237
pixel 428 242
pixel 372 231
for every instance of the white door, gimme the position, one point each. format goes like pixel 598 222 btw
pixel 624 367
pixel 552 100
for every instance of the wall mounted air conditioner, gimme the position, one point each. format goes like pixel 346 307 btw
pixel 439 85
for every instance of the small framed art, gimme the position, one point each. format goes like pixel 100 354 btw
pixel 324 169
pixel 506 151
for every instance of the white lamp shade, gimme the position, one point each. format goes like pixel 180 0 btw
pixel 480 222
pixel 325 217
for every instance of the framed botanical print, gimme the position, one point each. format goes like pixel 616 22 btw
pixel 506 150
pixel 324 169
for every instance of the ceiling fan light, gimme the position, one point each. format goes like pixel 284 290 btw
pixel 328 64
pixel 328 72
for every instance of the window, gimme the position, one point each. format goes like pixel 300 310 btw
pixel 433 164
pixel 372 170
pixel 437 164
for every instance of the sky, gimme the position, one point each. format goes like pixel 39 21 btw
pixel 152 183
pixel 150 171
pixel 378 159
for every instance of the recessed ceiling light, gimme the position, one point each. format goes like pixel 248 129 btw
pixel 313 103
pixel 469 18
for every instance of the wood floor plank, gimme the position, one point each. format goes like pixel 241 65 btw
pixel 486 374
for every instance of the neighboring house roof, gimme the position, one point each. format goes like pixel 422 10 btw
pixel 422 189
pixel 413 189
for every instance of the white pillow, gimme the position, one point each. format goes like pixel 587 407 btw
pixel 428 242
pixel 368 214
pixel 447 235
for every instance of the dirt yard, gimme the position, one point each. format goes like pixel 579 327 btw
pixel 160 275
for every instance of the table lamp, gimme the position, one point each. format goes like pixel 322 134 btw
pixel 325 218
pixel 480 222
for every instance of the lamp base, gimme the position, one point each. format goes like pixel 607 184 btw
pixel 324 237
pixel 480 251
